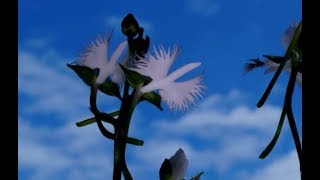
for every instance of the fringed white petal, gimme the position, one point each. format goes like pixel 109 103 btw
pixel 95 55
pixel 117 53
pixel 182 95
pixel 126 61
pixel 118 76
pixel 272 66
pixel 288 35
pixel 183 70
pixel 158 64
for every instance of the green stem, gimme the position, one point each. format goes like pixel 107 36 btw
pixel 95 111
pixel 292 123
pixel 271 84
pixel 121 133
pixel 277 74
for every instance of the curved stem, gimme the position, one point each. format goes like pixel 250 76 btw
pixel 292 44
pixel 292 123
pixel 95 111
pixel 121 129
pixel 126 172
pixel 295 136
pixel 121 132
pixel 271 84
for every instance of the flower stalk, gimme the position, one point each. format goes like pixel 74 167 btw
pixel 121 133
pixel 292 123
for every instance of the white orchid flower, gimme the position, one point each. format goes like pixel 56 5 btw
pixel 96 56
pixel 285 40
pixel 179 165
pixel 177 95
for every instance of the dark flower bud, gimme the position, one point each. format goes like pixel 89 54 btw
pixel 130 26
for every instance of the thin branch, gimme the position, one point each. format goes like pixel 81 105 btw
pixel 270 86
pixel 288 107
pixel 95 111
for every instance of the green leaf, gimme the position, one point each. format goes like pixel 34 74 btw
pixel 273 142
pixel 152 98
pixel 134 78
pixel 86 122
pixel 276 59
pixel 110 88
pixel 165 170
pixel 85 73
pixel 197 177
pixel 93 119
pixel 134 141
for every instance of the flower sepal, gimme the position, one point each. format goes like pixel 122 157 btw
pixel 165 172
pixel 87 75
pixel 110 88
pixel 153 98
pixel 134 78
pixel 93 120
pixel 275 59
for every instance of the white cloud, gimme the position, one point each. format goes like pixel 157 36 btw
pixel 223 113
pixel 228 138
pixel 52 87
pixel 48 88
pixel 204 7
pixel 221 134
pixel 67 152
pixel 113 21
pixel 39 43
pixel 286 167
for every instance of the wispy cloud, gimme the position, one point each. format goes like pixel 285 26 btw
pixel 232 137
pixel 223 113
pixel 231 133
pixel 50 86
pixel 39 43
pixel 204 7
pixel 67 152
pixel 286 167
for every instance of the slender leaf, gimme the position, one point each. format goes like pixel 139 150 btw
pixel 291 46
pixel 254 63
pixel 270 86
pixel 152 98
pixel 110 88
pixel 273 142
pixel 86 122
pixel 197 177
pixel 93 119
pixel 134 141
pixel 275 59
pixel 135 79
pixel 85 73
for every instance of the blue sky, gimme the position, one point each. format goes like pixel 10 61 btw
pixel 222 135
